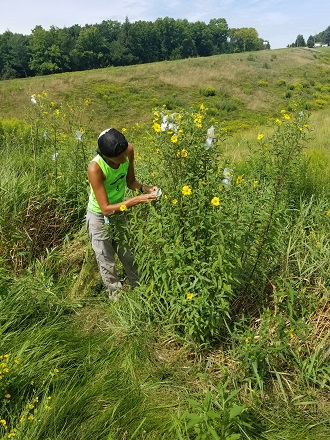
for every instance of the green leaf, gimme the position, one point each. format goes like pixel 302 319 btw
pixel 235 411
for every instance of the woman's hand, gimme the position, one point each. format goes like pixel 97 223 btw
pixel 144 198
pixel 150 189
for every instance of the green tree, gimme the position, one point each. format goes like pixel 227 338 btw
pixel 220 32
pixel 300 41
pixel 14 57
pixel 91 49
pixel 44 51
pixel 203 39
pixel 310 41
pixel 244 39
pixel 146 38
pixel 326 36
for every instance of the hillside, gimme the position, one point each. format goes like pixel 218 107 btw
pixel 246 86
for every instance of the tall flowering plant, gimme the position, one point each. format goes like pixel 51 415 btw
pixel 182 254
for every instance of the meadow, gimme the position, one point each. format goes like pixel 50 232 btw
pixel 227 336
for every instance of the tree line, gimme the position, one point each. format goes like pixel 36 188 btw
pixel 112 43
pixel 322 38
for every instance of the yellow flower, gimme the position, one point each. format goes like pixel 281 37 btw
pixel 202 107
pixel 248 339
pixel 153 173
pixel 156 114
pixel 57 112
pixel 157 127
pixel 260 136
pixel 175 201
pixel 123 207
pixel 186 190
pixel 3 422
pixel 7 396
pixel 287 117
pixel 31 417
pixel 291 334
pixel 255 184
pixel 278 122
pixel 221 188
pixel 328 212
pixel 215 201
pixel 184 153
pixel 283 111
pixel 239 180
pixel 174 139
pixel 190 296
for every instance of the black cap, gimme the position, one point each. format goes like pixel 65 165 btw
pixel 111 143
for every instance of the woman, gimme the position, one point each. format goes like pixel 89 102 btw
pixel 109 173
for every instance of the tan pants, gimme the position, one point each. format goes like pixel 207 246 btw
pixel 106 242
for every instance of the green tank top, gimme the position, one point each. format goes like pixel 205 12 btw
pixel 115 183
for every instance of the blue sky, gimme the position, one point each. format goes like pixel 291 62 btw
pixel 279 21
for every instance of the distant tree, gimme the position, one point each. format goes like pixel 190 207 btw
pixel 145 38
pixel 203 39
pixel 326 36
pixel 300 41
pixel 219 34
pixel 264 44
pixel 310 41
pixel 44 52
pixel 90 48
pixel 244 39
pixel 14 57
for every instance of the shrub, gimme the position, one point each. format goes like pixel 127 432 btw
pixel 207 91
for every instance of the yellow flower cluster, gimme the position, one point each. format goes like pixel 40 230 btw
pixel 4 365
pixel 239 180
pixel 157 127
pixel 198 120
pixel 186 190
pixel 189 296
pixel 215 201
pixel 55 371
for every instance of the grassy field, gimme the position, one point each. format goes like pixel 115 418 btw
pixel 228 335
pixel 248 87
